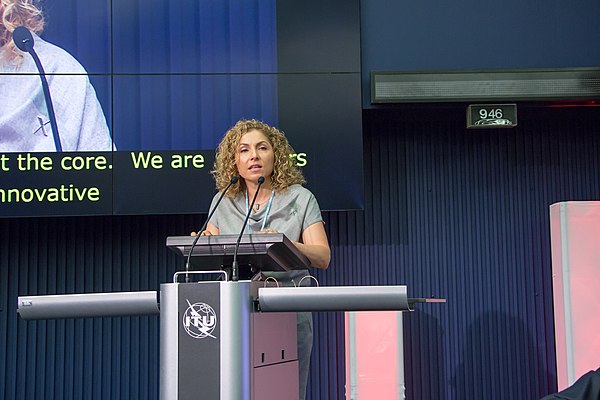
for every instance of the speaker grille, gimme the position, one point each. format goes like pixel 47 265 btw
pixel 556 84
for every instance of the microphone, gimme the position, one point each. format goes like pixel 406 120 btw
pixel 24 42
pixel 210 214
pixel 235 266
pixel 23 39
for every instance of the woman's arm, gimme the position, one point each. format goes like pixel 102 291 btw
pixel 315 245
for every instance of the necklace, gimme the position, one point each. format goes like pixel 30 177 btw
pixel 264 220
pixel 258 204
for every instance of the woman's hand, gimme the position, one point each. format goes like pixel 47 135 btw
pixel 203 233
pixel 268 230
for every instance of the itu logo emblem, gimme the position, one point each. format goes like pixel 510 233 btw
pixel 199 320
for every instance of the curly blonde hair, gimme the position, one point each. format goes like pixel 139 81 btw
pixel 14 13
pixel 285 171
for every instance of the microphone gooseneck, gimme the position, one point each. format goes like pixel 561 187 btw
pixel 23 39
pixel 232 182
pixel 235 266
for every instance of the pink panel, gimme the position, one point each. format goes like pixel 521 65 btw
pixel 276 382
pixel 579 248
pixel 274 338
pixel 376 344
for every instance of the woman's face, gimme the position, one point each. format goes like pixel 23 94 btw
pixel 254 156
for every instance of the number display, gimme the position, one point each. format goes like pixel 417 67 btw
pixel 491 116
pixel 491 113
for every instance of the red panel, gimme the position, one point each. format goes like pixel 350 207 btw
pixel 377 340
pixel 580 248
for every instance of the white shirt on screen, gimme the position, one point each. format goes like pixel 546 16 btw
pixel 24 122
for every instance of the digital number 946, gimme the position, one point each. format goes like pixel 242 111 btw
pixel 493 113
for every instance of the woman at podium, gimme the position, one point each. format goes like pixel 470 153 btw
pixel 251 150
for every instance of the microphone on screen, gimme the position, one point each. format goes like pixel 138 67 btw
pixel 23 39
pixel 235 266
pixel 232 182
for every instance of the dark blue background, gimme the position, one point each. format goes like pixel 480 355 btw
pixel 473 34
pixel 164 57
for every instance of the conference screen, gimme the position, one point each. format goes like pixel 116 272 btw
pixel 143 92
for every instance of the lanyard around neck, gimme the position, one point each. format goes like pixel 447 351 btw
pixel 262 228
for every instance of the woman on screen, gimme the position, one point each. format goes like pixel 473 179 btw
pixel 250 150
pixel 24 121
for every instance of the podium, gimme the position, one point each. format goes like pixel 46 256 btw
pixel 215 346
pixel 222 339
